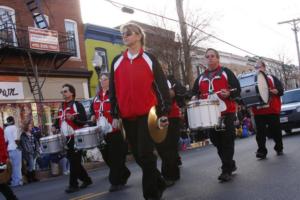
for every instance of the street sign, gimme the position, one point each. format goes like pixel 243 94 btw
pixel 42 39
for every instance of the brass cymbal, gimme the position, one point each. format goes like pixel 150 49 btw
pixel 158 135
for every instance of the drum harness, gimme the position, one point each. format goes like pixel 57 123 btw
pixel 214 96
pixel 101 114
pixel 63 117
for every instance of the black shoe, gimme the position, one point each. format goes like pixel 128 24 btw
pixel 126 177
pixel 71 189
pixel 169 183
pixel 224 177
pixel 234 168
pixel 86 184
pixel 179 162
pixel 114 188
pixel 279 153
pixel 34 179
pixel 261 155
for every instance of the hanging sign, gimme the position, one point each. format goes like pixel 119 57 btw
pixel 42 39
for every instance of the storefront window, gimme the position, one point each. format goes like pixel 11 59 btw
pixel 23 112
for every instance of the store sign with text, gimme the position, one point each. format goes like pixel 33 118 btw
pixel 42 39
pixel 11 90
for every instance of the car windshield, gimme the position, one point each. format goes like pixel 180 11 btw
pixel 291 97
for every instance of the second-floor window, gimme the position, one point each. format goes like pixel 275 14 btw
pixel 72 31
pixel 7 26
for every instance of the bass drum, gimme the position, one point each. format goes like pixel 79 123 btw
pixel 254 88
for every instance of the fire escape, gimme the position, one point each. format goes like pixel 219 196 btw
pixel 15 41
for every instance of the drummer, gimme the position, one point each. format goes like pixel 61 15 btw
pixel 115 148
pixel 222 85
pixel 268 115
pixel 71 117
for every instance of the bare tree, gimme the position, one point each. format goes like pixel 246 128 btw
pixel 290 72
pixel 176 47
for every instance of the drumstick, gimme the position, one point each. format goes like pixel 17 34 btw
pixel 231 90
pixel 218 92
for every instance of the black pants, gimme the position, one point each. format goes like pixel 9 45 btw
pixel 264 124
pixel 142 148
pixel 7 192
pixel 168 151
pixel 114 154
pixel 224 141
pixel 77 171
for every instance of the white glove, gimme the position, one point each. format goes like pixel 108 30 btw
pixel 162 122
pixel 193 98
pixel 116 123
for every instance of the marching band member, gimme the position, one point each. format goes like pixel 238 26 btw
pixel 4 187
pixel 268 115
pixel 115 148
pixel 71 117
pixel 222 82
pixel 138 83
pixel 168 149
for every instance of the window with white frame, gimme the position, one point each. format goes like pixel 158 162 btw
pixel 72 31
pixel 100 52
pixel 39 18
pixel 7 25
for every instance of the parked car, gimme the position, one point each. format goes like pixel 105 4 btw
pixel 290 110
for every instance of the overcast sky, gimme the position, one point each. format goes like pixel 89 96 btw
pixel 251 25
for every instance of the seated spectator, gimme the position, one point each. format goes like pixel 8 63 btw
pixel 61 159
pixel 184 141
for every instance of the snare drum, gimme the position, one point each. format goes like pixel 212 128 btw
pixel 254 88
pixel 203 114
pixel 51 144
pixel 88 137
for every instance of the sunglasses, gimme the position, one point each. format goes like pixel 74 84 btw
pixel 64 91
pixel 127 33
pixel 210 56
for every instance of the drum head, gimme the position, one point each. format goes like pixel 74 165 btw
pixel 263 87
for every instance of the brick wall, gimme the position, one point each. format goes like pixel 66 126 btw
pixel 57 11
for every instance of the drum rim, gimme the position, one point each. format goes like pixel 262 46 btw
pixel 51 137
pixel 202 102
pixel 257 88
pixel 262 102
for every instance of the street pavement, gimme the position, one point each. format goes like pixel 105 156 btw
pixel 275 178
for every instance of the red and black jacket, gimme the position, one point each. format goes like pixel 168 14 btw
pixel 76 109
pixel 179 99
pixel 221 78
pixel 274 105
pixel 136 85
pixel 101 105
pixel 3 148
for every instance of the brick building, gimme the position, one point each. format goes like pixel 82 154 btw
pixel 33 69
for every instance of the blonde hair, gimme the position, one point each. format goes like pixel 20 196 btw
pixel 136 29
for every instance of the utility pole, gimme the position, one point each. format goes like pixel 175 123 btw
pixel 185 43
pixel 294 22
